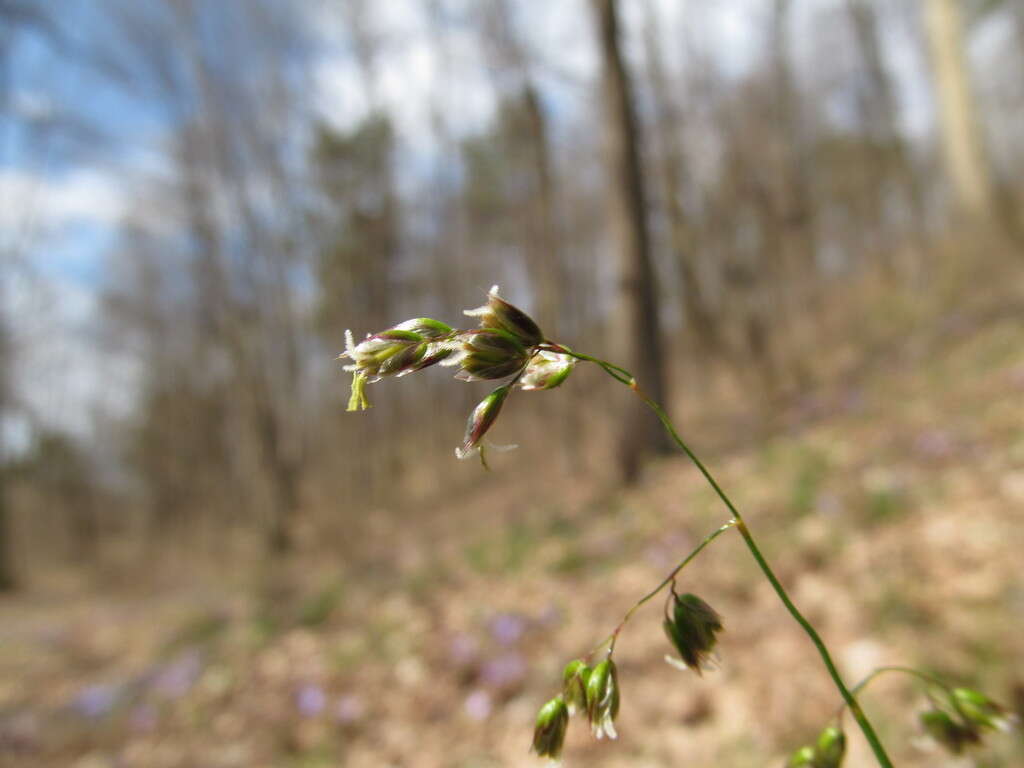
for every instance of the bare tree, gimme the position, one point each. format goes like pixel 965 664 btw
pixel 636 331
pixel 7 579
pixel 237 326
pixel 7 575
pixel 683 231
pixel 889 154
pixel 505 45
pixel 963 142
pixel 798 235
pixel 358 233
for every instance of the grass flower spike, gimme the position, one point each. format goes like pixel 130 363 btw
pixel 490 353
pixel 500 315
pixel 831 748
pixel 506 345
pixel 546 370
pixel 692 629
pixel 574 686
pixel 802 758
pixel 603 699
pixel 549 732
pixel 828 751
pixel 480 420
pixel 947 732
pixel 408 347
pixel 979 710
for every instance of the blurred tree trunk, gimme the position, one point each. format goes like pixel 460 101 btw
pixel 284 466
pixel 701 323
pixel 789 273
pixel 233 164
pixel 890 155
pixel 539 234
pixel 528 131
pixel 545 262
pixel 963 142
pixel 7 575
pixel 7 580
pixel 358 242
pixel 878 102
pixel 635 328
pixel 797 211
pixel 546 259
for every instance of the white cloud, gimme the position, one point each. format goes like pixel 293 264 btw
pixel 33 200
pixel 62 375
pixel 408 76
pixel 51 306
pixel 426 72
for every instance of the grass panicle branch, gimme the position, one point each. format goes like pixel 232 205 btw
pixel 737 521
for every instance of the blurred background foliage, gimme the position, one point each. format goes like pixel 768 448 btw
pixel 799 222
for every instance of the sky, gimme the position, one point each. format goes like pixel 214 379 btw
pixel 63 193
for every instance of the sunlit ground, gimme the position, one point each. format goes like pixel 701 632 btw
pixel 891 507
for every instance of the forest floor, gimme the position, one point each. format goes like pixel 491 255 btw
pixel 892 508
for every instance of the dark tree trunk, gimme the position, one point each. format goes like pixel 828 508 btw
pixel 545 263
pixel 700 320
pixel 636 337
pixel 7 579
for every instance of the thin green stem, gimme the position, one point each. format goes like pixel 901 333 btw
pixel 610 640
pixel 622 375
pixel 923 676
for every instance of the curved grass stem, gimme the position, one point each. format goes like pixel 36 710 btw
pixel 610 640
pixel 877 672
pixel 625 377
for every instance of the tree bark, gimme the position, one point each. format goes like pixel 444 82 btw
pixel 7 578
pixel 635 332
pixel 963 143
pixel 889 159
pixel 700 320
pixel 545 263
pixel 8 581
pixel 799 237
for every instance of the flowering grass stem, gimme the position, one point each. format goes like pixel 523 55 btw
pixel 610 640
pixel 509 346
pixel 923 676
pixel 625 377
